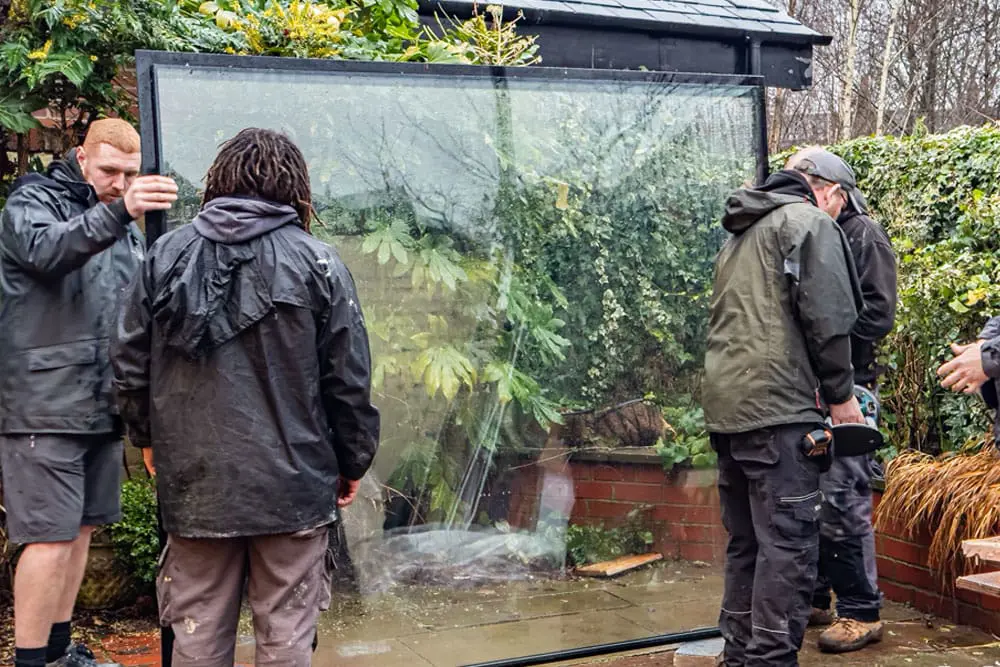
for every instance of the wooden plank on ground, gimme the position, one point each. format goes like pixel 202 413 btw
pixel 987 583
pixel 986 550
pixel 615 567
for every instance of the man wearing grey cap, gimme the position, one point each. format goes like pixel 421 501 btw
pixel 847 541
pixel 785 299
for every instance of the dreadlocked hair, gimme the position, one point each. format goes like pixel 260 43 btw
pixel 263 164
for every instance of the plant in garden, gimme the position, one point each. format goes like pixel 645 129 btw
pixel 956 494
pixel 66 56
pixel 689 443
pixel 136 537
pixel 363 30
pixel 586 544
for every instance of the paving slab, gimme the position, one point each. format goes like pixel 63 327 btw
pixel 374 653
pixel 466 614
pixel 663 617
pixel 491 642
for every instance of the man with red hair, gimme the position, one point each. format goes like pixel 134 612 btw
pixel 68 248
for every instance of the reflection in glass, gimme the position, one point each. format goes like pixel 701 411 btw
pixel 533 258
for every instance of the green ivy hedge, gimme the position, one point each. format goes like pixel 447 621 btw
pixel 938 196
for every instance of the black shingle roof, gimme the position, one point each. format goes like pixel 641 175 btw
pixel 712 18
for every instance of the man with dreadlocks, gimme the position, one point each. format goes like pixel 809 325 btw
pixel 241 358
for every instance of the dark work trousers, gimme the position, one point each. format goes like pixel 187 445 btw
pixel 166 631
pixel 770 506
pixel 847 541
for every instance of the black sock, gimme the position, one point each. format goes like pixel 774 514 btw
pixel 58 641
pixel 29 657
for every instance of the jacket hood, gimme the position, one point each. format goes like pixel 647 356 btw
pixel 65 173
pixel 745 207
pixel 239 219
pixel 220 292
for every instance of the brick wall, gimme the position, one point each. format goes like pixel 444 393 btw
pixel 48 139
pixel 682 508
pixel 905 577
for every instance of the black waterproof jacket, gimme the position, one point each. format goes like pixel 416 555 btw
pixel 785 299
pixel 65 260
pixel 242 358
pixel 875 262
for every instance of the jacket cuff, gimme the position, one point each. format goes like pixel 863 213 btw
pixel 990 356
pixel 120 212
pixel 835 394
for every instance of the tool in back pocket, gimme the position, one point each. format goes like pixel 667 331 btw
pixel 817 445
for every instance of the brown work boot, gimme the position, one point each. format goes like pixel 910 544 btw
pixel 820 617
pixel 847 635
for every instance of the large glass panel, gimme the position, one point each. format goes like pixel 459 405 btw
pixel 533 256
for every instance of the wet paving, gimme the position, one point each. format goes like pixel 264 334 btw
pixel 424 627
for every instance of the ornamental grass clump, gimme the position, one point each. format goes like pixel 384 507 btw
pixel 956 495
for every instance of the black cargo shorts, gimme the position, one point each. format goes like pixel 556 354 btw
pixel 54 483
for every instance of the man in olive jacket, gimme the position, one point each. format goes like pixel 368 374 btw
pixel 784 303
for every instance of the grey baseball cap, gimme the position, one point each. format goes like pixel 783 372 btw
pixel 829 167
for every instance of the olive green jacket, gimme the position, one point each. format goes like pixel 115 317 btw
pixel 785 299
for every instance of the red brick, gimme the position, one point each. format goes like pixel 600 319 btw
pixel 920 577
pixel 972 615
pixel 905 551
pixel 620 473
pixel 607 510
pixel 702 515
pixel 694 534
pixel 669 513
pixel 989 602
pixel 594 490
pixel 650 474
pixel 970 597
pixel 582 471
pixel 934 603
pixel 663 543
pixel 638 493
pixel 896 592
pixel 677 495
pixel 702 552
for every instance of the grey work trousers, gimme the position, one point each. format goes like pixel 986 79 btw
pixel 769 491
pixel 200 588
pixel 847 541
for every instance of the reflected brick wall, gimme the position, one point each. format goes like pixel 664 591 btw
pixel 682 509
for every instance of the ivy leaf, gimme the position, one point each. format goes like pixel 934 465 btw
pixel 958 307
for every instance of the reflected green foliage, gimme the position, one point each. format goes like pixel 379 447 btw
pixel 587 544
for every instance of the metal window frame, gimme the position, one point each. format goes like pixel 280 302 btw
pixel 148 61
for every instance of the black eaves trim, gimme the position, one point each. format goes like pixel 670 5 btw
pixel 719 19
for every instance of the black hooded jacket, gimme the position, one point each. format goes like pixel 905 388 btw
pixel 875 262
pixel 65 259
pixel 242 358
